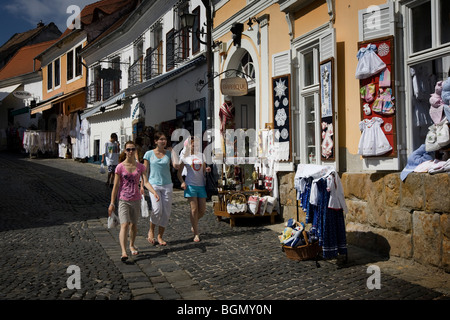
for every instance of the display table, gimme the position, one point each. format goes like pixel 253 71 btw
pixel 220 207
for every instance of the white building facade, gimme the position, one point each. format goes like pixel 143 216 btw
pixel 160 63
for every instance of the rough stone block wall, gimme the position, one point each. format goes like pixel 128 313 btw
pixel 409 219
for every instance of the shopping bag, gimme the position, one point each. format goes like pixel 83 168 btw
pixel 102 168
pixel 113 221
pixel 144 207
pixel 253 204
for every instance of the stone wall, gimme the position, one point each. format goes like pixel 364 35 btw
pixel 409 219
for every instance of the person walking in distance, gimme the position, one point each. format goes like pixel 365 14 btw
pixel 111 154
pixel 157 163
pixel 126 188
pixel 194 184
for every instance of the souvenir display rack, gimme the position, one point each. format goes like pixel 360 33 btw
pixel 220 207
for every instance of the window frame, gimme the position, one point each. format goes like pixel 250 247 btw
pixel 437 50
pixel 57 73
pixel 305 92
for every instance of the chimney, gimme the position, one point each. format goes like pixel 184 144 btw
pixel 40 24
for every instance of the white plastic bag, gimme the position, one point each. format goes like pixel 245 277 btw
pixel 102 169
pixel 113 221
pixel 144 207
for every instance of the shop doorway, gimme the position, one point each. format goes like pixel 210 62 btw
pixel 245 114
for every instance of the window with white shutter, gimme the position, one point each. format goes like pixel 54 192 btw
pixel 311 50
pixel 378 22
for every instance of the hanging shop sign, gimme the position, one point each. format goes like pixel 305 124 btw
pixel 136 112
pixel 235 86
pixel 22 95
pixel 375 72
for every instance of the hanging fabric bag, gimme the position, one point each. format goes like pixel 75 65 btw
pixel 268 179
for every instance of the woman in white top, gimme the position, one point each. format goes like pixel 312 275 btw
pixel 194 186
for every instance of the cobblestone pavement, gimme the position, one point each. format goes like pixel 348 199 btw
pixel 53 216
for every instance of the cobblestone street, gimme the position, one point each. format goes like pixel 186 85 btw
pixel 53 215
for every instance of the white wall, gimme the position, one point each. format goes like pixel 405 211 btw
pixel 161 102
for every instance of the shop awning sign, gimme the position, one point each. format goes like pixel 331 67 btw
pixel 235 86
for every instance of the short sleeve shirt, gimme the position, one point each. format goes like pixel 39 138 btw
pixel 112 153
pixel 194 170
pixel 159 168
pixel 129 182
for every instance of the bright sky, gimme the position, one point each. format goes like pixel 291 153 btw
pixel 18 16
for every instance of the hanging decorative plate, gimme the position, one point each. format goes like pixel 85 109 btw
pixel 383 49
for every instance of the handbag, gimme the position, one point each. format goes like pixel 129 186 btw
pixel 144 207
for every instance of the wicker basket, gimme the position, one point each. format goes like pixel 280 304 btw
pixel 237 203
pixel 306 252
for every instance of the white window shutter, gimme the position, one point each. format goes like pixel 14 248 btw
pixel 327 44
pixel 281 63
pixel 376 22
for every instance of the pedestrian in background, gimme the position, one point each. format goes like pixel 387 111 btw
pixel 126 187
pixel 111 154
pixel 194 184
pixel 157 163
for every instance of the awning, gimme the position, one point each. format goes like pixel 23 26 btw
pixel 20 111
pixel 45 104
pixel 111 102
pixel 4 92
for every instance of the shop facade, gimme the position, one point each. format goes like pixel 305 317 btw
pixel 307 50
pixel 63 92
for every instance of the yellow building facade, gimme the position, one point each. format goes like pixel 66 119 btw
pixel 303 55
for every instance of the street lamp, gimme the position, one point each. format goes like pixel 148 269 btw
pixel 187 20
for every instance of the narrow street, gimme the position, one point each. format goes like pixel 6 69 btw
pixel 53 216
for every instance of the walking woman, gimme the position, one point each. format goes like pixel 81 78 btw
pixel 126 185
pixel 158 161
pixel 194 184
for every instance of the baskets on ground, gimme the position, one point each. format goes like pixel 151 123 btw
pixel 237 203
pixel 305 252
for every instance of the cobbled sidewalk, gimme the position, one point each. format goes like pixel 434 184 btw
pixel 54 215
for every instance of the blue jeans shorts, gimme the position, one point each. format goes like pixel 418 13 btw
pixel 195 191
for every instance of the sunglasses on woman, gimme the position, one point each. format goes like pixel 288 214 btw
pixel 130 149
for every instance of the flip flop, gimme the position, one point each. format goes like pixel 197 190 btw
pixel 151 241
pixel 135 252
pixel 196 238
pixel 124 258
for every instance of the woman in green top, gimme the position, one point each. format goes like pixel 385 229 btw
pixel 157 161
